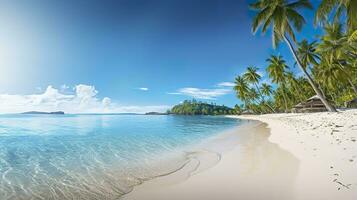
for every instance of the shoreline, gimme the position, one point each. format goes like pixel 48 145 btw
pixel 311 156
pixel 199 158
pixel 251 146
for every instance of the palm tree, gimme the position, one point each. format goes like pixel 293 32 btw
pixel 282 16
pixel 294 84
pixel 328 72
pixel 252 76
pixel 337 52
pixel 331 72
pixel 338 7
pixel 277 72
pixel 334 40
pixel 307 53
pixel 253 95
pixel 242 89
pixel 266 90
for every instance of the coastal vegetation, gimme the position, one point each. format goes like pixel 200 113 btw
pixel 194 107
pixel 327 65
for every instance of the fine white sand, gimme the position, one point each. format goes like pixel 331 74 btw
pixel 326 146
pixel 305 156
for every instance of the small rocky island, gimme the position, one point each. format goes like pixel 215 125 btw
pixel 43 113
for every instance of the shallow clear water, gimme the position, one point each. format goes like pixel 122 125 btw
pixel 94 156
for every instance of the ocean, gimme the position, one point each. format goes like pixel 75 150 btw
pixel 95 156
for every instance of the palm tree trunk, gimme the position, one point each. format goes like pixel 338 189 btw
pixel 322 91
pixel 353 85
pixel 328 106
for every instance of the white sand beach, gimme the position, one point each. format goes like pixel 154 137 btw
pixel 286 156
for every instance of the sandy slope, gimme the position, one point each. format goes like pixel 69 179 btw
pixel 307 156
pixel 326 145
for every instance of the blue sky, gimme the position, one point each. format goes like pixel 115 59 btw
pixel 142 54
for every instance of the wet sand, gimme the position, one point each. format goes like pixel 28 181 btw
pixel 254 168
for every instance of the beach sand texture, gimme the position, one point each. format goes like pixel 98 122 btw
pixel 288 156
pixel 255 164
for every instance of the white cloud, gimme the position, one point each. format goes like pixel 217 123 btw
pixel 226 84
pixel 83 100
pixel 106 102
pixel 64 87
pixel 143 89
pixel 201 93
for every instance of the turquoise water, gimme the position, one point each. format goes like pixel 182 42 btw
pixel 94 156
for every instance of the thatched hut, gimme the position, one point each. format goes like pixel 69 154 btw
pixel 297 108
pixel 313 104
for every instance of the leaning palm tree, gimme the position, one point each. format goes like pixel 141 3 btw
pixel 277 72
pixel 242 89
pixel 283 16
pixel 337 8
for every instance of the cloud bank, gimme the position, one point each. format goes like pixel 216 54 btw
pixel 83 100
pixel 226 84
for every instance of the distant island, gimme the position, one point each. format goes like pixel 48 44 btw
pixel 156 113
pixel 44 113
pixel 193 107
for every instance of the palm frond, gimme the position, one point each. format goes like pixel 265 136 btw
pixel 297 19
pixel 300 4
pixel 324 10
pixel 260 18
pixel 353 37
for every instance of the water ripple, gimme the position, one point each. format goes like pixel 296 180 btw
pixel 94 157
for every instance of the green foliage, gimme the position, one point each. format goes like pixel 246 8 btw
pixel 337 8
pixel 194 107
pixel 281 15
pixel 328 65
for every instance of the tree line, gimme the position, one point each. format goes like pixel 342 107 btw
pixel 328 65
